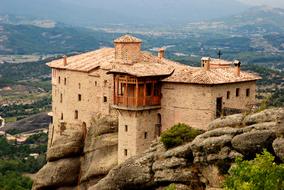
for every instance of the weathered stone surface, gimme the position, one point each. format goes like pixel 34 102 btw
pixel 261 126
pixel 103 158
pixel 183 151
pixel 229 121
pixel 253 142
pixel 132 174
pixel 268 115
pixel 69 145
pixel 278 146
pixel 64 172
pixel 181 175
pixel 209 149
pixel 172 162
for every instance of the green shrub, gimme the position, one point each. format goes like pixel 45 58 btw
pixel 178 135
pixel 171 187
pixel 258 174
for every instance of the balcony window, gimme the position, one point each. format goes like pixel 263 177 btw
pixel 135 92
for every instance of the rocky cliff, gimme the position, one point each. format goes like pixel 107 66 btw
pixel 77 160
pixel 200 164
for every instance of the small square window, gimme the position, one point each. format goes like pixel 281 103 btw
pixel 105 99
pixel 237 92
pixel 125 152
pixel 145 135
pixel 61 98
pixel 126 128
pixel 79 97
pixel 228 94
pixel 248 92
pixel 76 114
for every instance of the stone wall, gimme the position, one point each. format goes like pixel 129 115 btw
pixel 196 104
pixel 139 134
pixel 88 94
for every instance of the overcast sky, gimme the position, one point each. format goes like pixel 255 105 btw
pixel 274 3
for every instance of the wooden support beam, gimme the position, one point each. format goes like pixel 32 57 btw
pixel 114 90
pixel 152 91
pixel 126 92
pixel 145 93
pixel 117 91
pixel 137 93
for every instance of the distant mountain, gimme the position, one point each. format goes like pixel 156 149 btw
pixel 30 39
pixel 139 12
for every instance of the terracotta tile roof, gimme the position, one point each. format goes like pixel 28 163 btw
pixel 143 69
pixel 127 39
pixel 150 65
pixel 85 62
pixel 198 75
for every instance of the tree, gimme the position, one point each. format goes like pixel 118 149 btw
pixel 258 174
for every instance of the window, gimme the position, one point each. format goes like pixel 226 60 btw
pixel 61 98
pixel 228 94
pixel 148 89
pixel 126 128
pixel 79 97
pixel 125 152
pixel 145 135
pixel 105 82
pixel 76 114
pixel 61 116
pixel 65 81
pixel 105 99
pixel 96 83
pixel 247 92
pixel 237 92
pixel 58 80
pixel 79 85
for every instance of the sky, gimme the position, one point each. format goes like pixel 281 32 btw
pixel 273 3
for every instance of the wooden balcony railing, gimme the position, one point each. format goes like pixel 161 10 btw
pixel 137 102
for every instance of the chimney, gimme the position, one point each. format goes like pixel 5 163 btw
pixel 64 60
pixel 127 49
pixel 205 63
pixel 237 65
pixel 161 53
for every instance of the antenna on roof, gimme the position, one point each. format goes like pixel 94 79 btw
pixel 219 53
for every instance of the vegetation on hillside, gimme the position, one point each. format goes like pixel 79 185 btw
pixel 15 160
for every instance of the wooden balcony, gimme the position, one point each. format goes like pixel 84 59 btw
pixel 136 94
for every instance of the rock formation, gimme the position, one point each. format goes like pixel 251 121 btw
pixel 200 164
pixel 80 160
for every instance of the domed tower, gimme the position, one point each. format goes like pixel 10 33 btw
pixel 127 49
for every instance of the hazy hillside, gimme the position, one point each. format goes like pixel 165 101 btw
pixel 28 39
pixel 93 12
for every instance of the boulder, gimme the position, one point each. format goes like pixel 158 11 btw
pixel 61 173
pixel 68 145
pixel 268 115
pixel 278 147
pixel 233 121
pixel 253 142
pixel 103 158
pixel 134 173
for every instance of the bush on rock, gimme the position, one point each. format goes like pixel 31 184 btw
pixel 178 135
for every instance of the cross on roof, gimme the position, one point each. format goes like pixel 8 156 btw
pixel 219 53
